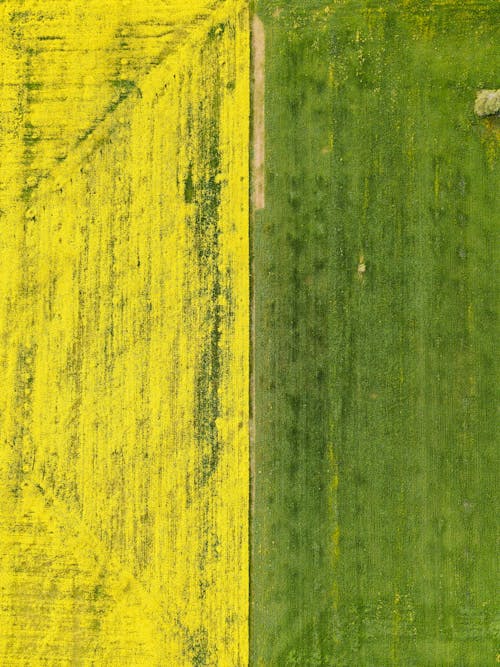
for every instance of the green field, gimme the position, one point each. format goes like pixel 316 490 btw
pixel 375 463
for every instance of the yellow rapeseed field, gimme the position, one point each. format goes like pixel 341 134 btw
pixel 124 326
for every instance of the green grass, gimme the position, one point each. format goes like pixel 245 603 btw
pixel 387 380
